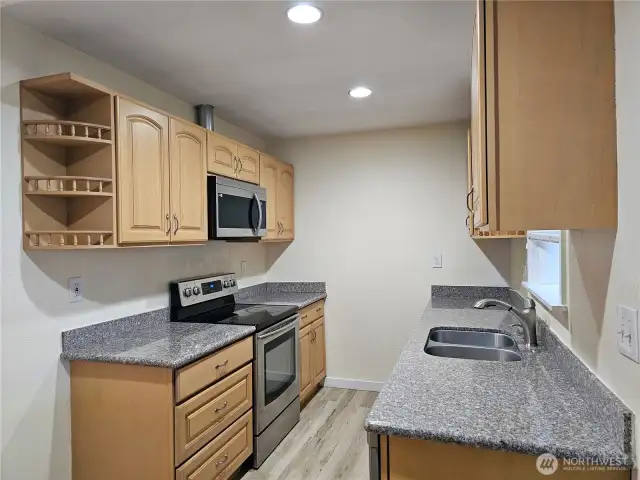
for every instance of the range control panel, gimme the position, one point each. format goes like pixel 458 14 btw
pixel 201 289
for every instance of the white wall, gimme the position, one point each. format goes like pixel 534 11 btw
pixel 371 210
pixel 35 385
pixel 603 267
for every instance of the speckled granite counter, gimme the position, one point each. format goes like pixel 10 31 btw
pixel 548 402
pixel 149 339
pixel 300 294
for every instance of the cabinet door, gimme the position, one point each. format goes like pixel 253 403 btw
pixel 470 226
pixel 306 371
pixel 478 122
pixel 221 155
pixel 143 174
pixel 285 200
pixel 318 350
pixel 188 166
pixel 249 166
pixel 269 180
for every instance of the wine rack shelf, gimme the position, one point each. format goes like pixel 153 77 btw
pixel 68 163
pixel 69 239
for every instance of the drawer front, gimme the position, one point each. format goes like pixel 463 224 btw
pixel 201 418
pixel 197 376
pixel 310 313
pixel 220 458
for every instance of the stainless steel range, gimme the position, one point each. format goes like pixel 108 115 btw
pixel 276 371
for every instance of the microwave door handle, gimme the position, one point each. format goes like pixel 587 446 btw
pixel 257 231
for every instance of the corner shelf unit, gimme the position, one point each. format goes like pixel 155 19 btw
pixel 68 164
pixel 485 235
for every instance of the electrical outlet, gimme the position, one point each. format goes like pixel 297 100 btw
pixel 76 290
pixel 436 262
pixel 627 332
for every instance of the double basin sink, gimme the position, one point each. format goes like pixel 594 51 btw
pixel 472 345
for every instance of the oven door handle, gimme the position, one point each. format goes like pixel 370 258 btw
pixel 289 326
pixel 257 230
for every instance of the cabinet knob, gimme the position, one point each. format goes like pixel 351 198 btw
pixel 224 405
pixel 224 459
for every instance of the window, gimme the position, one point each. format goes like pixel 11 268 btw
pixel 545 268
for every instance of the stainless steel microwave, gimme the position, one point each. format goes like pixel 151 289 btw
pixel 236 209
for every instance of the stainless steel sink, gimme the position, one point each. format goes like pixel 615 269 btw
pixel 472 345
pixel 473 353
pixel 472 338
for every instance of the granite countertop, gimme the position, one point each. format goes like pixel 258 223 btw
pixel 149 339
pixel 299 294
pixel 548 402
pixel 300 300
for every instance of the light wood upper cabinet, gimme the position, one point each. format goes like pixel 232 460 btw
pixel 548 129
pixel 249 168
pixel 222 155
pixel 143 174
pixel 478 193
pixel 269 181
pixel 278 178
pixel 285 200
pixel 231 159
pixel 161 177
pixel 188 167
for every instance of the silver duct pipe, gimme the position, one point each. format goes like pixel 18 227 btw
pixel 204 114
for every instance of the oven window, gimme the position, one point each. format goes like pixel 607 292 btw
pixel 280 365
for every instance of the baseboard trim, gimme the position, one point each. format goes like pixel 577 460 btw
pixel 349 383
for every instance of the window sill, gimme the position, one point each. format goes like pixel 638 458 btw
pixel 550 297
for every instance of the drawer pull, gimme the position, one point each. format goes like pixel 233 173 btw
pixel 224 459
pixel 224 405
pixel 305 315
pixel 223 365
pixel 319 309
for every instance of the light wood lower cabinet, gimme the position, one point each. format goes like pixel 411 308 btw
pixel 202 417
pixel 198 375
pixel 128 422
pixel 278 179
pixel 409 459
pixel 313 368
pixel 222 457
pixel 306 373
pixel 161 177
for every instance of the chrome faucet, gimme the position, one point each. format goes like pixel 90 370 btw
pixel 526 316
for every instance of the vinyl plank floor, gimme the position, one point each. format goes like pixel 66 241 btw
pixel 329 443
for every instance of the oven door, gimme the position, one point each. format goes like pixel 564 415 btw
pixel 236 209
pixel 277 374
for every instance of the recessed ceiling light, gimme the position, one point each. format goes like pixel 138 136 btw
pixel 304 14
pixel 360 92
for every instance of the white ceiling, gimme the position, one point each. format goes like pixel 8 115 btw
pixel 274 77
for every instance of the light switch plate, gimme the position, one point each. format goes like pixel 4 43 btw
pixel 627 332
pixel 437 261
pixel 76 290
